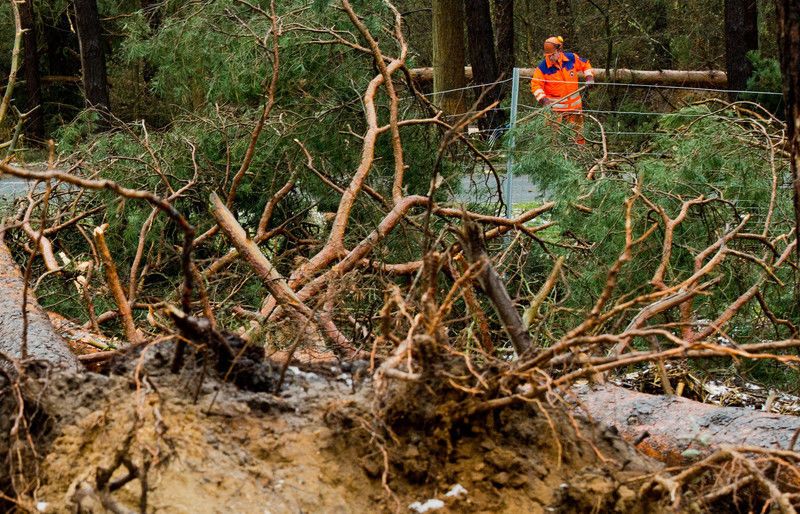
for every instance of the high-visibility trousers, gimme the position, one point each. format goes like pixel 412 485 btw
pixel 570 123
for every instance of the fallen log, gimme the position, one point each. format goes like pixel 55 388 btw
pixel 80 340
pixel 710 79
pixel 674 429
pixel 43 342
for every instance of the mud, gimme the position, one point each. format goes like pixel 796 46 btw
pixel 142 439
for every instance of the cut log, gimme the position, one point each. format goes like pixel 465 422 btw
pixel 665 427
pixel 711 78
pixel 43 341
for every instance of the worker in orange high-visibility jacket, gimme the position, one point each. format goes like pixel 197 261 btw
pixel 555 84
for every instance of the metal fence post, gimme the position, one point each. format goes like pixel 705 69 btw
pixel 507 190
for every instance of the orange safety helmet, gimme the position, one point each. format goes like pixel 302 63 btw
pixel 553 44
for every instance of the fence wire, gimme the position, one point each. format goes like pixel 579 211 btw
pixel 621 139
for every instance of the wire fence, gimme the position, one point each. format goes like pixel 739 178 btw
pixel 670 87
pixel 472 87
pixel 623 137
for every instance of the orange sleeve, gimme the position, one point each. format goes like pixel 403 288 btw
pixel 583 65
pixel 537 84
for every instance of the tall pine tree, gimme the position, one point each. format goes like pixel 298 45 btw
pixel 93 59
pixel 448 55
pixel 741 36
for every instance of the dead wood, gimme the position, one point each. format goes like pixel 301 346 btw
pixel 42 342
pixel 247 248
pixel 431 366
pixel 495 289
pixel 711 78
pixel 81 340
pixel 112 277
pixel 300 313
pixel 670 428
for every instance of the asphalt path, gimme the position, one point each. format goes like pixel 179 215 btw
pixel 473 189
pixel 483 189
pixel 12 187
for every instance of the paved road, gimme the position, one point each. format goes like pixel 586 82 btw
pixel 11 187
pixel 480 189
pixel 476 189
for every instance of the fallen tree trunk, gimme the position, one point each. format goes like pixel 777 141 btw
pixel 674 429
pixel 710 78
pixel 42 340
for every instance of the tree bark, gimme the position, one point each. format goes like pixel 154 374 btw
pixel 661 35
pixel 482 57
pixel 33 90
pixel 62 45
pixel 504 33
pixel 448 55
pixel 43 342
pixel 495 289
pixel 115 285
pixel 664 427
pixel 711 79
pixel 63 66
pixel 789 48
pixel 566 22
pixel 93 59
pixel 741 36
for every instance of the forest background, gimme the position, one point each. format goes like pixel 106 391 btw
pixel 188 134
pixel 194 97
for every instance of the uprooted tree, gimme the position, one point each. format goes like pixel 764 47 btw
pixel 323 244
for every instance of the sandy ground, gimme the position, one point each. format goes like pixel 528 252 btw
pixel 210 447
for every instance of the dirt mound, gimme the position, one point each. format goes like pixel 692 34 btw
pixel 516 463
pixel 142 439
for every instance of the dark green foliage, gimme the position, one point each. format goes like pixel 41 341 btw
pixel 188 93
pixel 766 77
pixel 700 153
pixel 211 64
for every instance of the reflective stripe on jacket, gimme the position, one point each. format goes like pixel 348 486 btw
pixel 557 79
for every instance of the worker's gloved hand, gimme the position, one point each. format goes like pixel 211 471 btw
pixel 589 82
pixel 544 102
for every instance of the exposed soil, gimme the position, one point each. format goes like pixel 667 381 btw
pixel 312 448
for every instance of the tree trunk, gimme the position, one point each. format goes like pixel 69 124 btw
pixel 741 36
pixel 93 59
pixel 711 78
pixel 152 11
pixel 62 46
pixel 482 57
pixel 33 90
pixel 566 22
pixel 43 342
pixel 63 63
pixel 789 48
pixel 448 55
pixel 661 35
pixel 504 33
pixel 664 427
